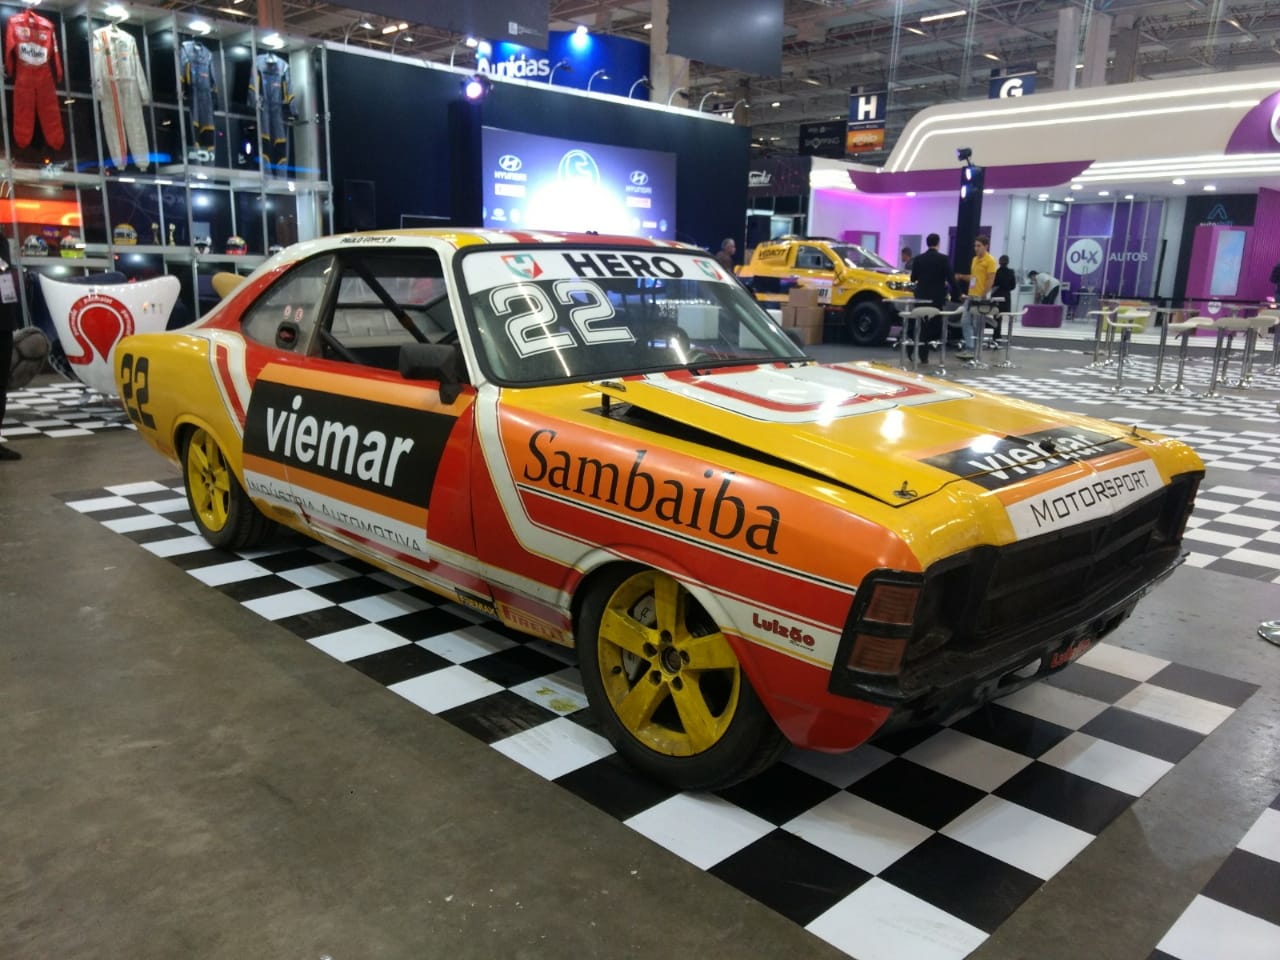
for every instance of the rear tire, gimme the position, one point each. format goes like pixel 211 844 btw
pixel 666 686
pixel 222 510
pixel 868 323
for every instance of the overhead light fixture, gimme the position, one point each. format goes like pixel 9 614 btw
pixel 911 193
pixel 470 42
pixel 580 29
pixel 642 82
pixel 562 65
pixel 1077 186
pixel 393 27
pixel 989 190
pixel 1042 196
pixel 648 26
pixel 1104 193
pixel 476 87
pixel 992 56
pixel 1179 181
pixel 811 82
pixel 1209 188
pixel 116 12
pixel 232 11
pixel 943 16
pixel 1068 199
pixel 1128 196
pixel 917 31
pixel 601 73
pixel 776 103
pixel 273 40
pixel 200 27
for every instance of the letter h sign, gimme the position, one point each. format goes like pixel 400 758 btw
pixel 866 107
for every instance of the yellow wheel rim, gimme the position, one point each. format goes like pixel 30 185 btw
pixel 670 675
pixel 209 480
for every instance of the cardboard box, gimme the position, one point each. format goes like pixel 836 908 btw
pixel 809 335
pixel 808 317
pixel 803 297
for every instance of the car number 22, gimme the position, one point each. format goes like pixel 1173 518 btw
pixel 134 389
pixel 532 329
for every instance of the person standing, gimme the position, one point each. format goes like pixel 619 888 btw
pixel 981 275
pixel 724 257
pixel 1002 287
pixel 906 255
pixel 10 319
pixel 935 281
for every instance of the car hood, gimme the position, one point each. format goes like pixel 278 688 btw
pixel 891 436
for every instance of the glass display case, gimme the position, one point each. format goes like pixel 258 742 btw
pixel 154 142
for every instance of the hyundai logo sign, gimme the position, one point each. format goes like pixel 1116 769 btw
pixel 509 162
pixel 639 178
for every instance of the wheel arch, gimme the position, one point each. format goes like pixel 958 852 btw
pixel 188 424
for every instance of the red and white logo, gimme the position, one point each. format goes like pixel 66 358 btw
pixel 98 322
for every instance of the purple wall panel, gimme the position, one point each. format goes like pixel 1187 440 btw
pixel 1111 248
pixel 1264 251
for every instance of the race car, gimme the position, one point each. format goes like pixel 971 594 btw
pixel 853 284
pixel 604 442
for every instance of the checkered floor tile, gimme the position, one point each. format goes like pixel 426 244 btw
pixel 863 849
pixel 61 410
pixel 1237 915
pixel 1235 530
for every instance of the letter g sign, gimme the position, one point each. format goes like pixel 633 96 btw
pixel 1011 88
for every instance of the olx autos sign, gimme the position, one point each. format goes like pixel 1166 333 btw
pixel 1084 257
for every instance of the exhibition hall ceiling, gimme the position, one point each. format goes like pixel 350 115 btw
pixel 923 51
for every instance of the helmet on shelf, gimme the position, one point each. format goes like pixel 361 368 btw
pixel 35 246
pixel 124 235
pixel 71 246
pixel 203 245
pixel 274 249
pixel 236 245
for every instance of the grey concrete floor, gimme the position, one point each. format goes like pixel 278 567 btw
pixel 181 778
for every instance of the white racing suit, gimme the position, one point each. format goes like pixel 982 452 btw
pixel 121 86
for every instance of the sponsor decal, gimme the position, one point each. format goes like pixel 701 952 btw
pixel 483 604
pixel 639 178
pixel 794 635
pixel 1129 256
pixel 510 162
pixel 361 239
pixel 1101 495
pixel 759 178
pixel 1007 460
pixel 709 269
pixel 98 321
pixel 521 67
pixel 509 190
pixel 527 622
pixel 382 448
pixel 623 265
pixel 642 202
pixel 579 165
pixel 712 507
pixel 1084 256
pixel 522 265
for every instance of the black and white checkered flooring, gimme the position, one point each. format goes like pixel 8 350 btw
pixel 916 847
pixel 62 409
pixel 1237 915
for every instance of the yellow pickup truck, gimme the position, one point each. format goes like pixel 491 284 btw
pixel 851 280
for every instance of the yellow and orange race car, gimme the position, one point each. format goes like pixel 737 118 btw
pixel 605 442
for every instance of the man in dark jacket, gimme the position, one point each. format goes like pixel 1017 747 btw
pixel 935 282
pixel 10 320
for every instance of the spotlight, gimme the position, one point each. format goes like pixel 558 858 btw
pixel 477 87
pixel 963 154
pixel 562 65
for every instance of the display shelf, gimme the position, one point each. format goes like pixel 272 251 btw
pixel 49 175
pixel 71 263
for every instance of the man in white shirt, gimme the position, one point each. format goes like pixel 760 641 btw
pixel 1046 286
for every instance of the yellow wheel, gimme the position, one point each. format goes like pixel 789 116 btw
pixel 222 510
pixel 667 685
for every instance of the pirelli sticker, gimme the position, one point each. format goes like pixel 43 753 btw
pixel 995 462
pixel 1105 493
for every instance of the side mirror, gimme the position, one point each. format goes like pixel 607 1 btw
pixel 434 361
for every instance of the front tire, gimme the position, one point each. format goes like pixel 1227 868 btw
pixel 222 510
pixel 868 323
pixel 666 685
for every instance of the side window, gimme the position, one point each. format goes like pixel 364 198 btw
pixel 286 316
pixel 811 258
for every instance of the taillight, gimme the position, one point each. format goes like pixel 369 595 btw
pixel 877 654
pixel 893 603
pixel 884 627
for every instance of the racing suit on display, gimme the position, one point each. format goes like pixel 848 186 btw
pixel 30 43
pixel 197 73
pixel 121 86
pixel 270 89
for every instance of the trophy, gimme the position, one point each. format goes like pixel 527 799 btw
pixel 155 234
pixel 172 241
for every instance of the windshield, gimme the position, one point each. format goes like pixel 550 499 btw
pixel 860 257
pixel 551 313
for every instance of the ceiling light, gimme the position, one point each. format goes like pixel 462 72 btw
pixel 942 16
pixel 911 193
pixel 776 103
pixel 233 12
pixel 393 27
pixel 580 29
pixel 1209 188
pixel 1042 196
pixel 648 26
pixel 273 40
pixel 1068 199
pixel 199 26
pixel 1077 186
pixel 1079 66
pixel 116 12
pixel 989 190
pixel 471 42
pixel 1128 196
pixel 1179 181
pixel 811 82
pixel 1104 193
pixel 917 31
pixel 992 56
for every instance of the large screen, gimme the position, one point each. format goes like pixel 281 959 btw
pixel 545 183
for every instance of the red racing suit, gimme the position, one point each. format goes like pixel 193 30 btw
pixel 30 43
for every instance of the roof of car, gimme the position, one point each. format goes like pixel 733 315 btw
pixel 468 236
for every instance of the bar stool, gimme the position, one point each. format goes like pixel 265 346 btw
pixel 1249 326
pixel 919 315
pixel 1008 318
pixel 1127 322
pixel 1214 378
pixel 1103 315
pixel 949 318
pixel 1184 329
pixel 1274 317
pixel 1167 313
pixel 985 310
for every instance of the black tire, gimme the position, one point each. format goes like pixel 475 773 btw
pixel 642 692
pixel 221 509
pixel 868 323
